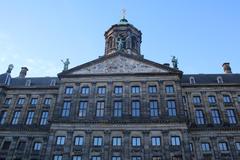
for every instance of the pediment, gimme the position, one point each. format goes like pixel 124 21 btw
pixel 119 64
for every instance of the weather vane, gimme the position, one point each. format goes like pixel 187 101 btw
pixel 124 13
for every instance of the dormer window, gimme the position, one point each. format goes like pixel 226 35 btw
pixel 53 82
pixel 28 83
pixel 219 80
pixel 192 80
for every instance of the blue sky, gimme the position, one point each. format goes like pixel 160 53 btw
pixel 202 34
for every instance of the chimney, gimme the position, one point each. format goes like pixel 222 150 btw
pixel 226 68
pixel 166 64
pixel 23 72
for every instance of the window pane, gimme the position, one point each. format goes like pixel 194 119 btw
pixel 169 89
pixel 44 118
pixel 85 90
pixel 16 117
pixel 66 108
pixel 60 140
pixel 117 109
pixel 175 140
pixel 152 89
pixel 97 141
pixel 135 89
pixel 78 141
pixel 100 109
pixel 69 90
pixel 215 116
pixel 136 141
pixel 116 141
pixel 118 90
pixel 171 108
pixel 3 117
pixel 83 108
pixel 231 116
pixel 135 108
pixel 199 117
pixel 156 141
pixel 101 90
pixel 30 116
pixel 154 111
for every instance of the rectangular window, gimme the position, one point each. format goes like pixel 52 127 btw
pixel 44 118
pixel 20 101
pixel 57 157
pixel 135 108
pixel 136 158
pixel 30 116
pixel 200 119
pixel 16 116
pixel 169 89
pixel 97 141
pixel 60 140
pixel 135 89
pixel 175 141
pixel 231 116
pixel 171 106
pixel 7 101
pixel 154 111
pixel 223 146
pixel 116 141
pixel 205 147
pixel 101 90
pixel 226 99
pixel 152 89
pixel 96 158
pixel 85 90
pixel 6 145
pixel 215 116
pixel 117 112
pixel 77 158
pixel 211 99
pixel 118 90
pixel 237 146
pixel 83 108
pixel 3 117
pixel 156 141
pixel 116 158
pixel 100 109
pixel 196 100
pixel 69 90
pixel 66 108
pixel 238 98
pixel 34 101
pixel 21 145
pixel 47 101
pixel 37 146
pixel 136 141
pixel 78 141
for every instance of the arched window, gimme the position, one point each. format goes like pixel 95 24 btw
pixel 134 42
pixel 192 80
pixel 219 80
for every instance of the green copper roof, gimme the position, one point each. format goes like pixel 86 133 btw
pixel 123 21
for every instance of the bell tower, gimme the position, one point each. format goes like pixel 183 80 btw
pixel 123 37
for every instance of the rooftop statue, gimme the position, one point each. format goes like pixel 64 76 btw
pixel 65 64
pixel 175 62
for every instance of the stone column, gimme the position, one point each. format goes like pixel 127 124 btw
pixel 166 153
pixel 126 144
pixel 146 141
pixel 88 144
pixel 49 147
pixel 107 140
pixel 214 146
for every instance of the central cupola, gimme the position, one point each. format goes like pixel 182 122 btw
pixel 124 38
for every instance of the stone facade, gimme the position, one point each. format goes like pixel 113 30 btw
pixel 120 107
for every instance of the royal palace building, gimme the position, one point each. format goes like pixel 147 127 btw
pixel 120 106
